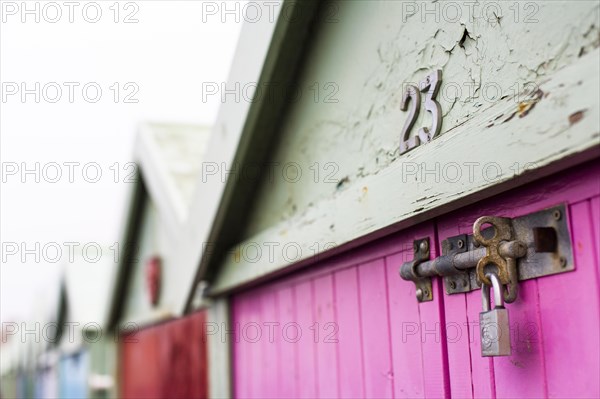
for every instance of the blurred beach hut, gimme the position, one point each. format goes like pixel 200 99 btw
pixel 159 355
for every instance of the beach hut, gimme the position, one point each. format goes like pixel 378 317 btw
pixel 160 353
pixel 423 157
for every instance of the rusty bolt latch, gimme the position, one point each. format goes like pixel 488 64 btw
pixel 514 249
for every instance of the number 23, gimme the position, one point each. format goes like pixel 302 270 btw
pixel 430 85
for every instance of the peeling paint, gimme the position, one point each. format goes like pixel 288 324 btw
pixel 372 52
pixel 576 117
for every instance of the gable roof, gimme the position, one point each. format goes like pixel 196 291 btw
pixel 269 54
pixel 169 158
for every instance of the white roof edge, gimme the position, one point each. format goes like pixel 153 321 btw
pixel 253 46
pixel 161 187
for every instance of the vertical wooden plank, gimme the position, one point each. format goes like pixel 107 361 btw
pixel 405 325
pixel 327 378
pixel 269 344
pixel 347 295
pixel 166 344
pixel 251 335
pixel 307 363
pixel 569 311
pixel 459 334
pixel 200 361
pixel 482 368
pixel 526 363
pixel 433 337
pixel 140 348
pixel 595 212
pixel 378 372
pixel 464 354
pixel 289 333
pixel 417 334
pixel 242 355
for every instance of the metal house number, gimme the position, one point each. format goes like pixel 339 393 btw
pixel 430 85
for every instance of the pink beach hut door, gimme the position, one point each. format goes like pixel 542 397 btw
pixel 349 326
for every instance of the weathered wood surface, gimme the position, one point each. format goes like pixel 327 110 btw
pixel 339 330
pixel 513 142
pixel 382 343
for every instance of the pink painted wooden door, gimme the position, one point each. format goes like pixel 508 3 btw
pixel 351 327
pixel 555 320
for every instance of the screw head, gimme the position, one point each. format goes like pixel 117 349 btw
pixel 452 284
pixel 460 243
pixel 424 246
pixel 556 215
pixel 563 261
pixel 419 294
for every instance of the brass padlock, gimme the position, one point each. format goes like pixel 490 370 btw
pixel 493 323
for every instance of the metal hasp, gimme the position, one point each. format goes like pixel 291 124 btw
pixel 516 249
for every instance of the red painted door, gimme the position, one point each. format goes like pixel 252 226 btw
pixel 167 360
pixel 351 327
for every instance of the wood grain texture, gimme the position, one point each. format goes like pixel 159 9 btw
pixel 351 373
pixel 352 313
pixel 289 378
pixel 242 353
pixel 270 345
pixel 325 319
pixel 570 316
pixel 378 375
pixel 389 345
pixel 306 349
pixel 549 317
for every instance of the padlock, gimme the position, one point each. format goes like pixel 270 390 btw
pixel 493 323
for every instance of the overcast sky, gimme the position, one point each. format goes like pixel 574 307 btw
pixel 149 70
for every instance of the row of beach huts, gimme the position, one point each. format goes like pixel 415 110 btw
pixel 261 257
